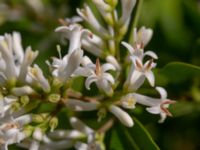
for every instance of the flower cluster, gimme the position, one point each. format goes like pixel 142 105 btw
pixel 115 77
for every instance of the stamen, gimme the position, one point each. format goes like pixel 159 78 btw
pixel 63 22
pixel 59 51
pixel 166 111
pixel 168 102
pixel 149 65
pixel 138 64
pixel 98 67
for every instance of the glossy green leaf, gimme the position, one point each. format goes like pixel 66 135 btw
pixel 114 141
pixel 137 137
pixel 178 71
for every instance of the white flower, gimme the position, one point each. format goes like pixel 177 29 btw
pixel 105 9
pixel 94 45
pixel 75 33
pixel 156 106
pixel 127 7
pixel 72 20
pixel 139 72
pixel 77 105
pixel 112 60
pixel 123 116
pixel 24 90
pixel 142 37
pixel 11 132
pixel 87 14
pixel 35 76
pixel 138 52
pixel 65 67
pixel 128 101
pixel 28 59
pixel 94 141
pixel 5 105
pixel 97 73
pixel 14 62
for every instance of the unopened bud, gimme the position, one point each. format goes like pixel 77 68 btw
pixel 53 123
pixel 28 130
pixel 101 114
pixel 39 118
pixel 24 100
pixel 112 3
pixel 54 98
pixel 15 107
pixel 121 115
pixel 37 134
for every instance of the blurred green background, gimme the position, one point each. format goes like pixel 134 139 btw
pixel 176 25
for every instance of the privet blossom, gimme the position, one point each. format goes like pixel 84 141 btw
pixel 114 80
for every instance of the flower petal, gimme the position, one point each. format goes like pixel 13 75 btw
pixel 150 77
pixel 113 61
pixel 80 126
pixel 105 86
pixel 81 146
pixel 73 63
pixel 162 92
pixel 151 54
pixel 81 71
pixel 107 66
pixel 154 109
pixel 145 100
pixel 89 81
pixel 108 77
pixel 129 47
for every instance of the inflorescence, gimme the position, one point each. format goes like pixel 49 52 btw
pixel 119 70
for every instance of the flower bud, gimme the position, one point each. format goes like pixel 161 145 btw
pixel 101 114
pixel 24 100
pixel 39 118
pixel 53 123
pixel 54 98
pixel 121 115
pixel 37 134
pixel 15 107
pixel 28 130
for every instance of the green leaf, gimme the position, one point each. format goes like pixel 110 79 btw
pixel 114 142
pixel 141 136
pixel 178 71
pixel 137 137
pixel 126 140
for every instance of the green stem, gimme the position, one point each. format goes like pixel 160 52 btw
pixel 136 18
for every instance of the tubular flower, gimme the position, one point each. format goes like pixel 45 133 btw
pixel 87 14
pixel 138 52
pixel 127 7
pixel 94 140
pixel 142 37
pixel 65 67
pixel 97 73
pixel 121 115
pixel 11 132
pixel 155 105
pixel 139 72
pixel 75 33
pixel 14 62
pixel 32 102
